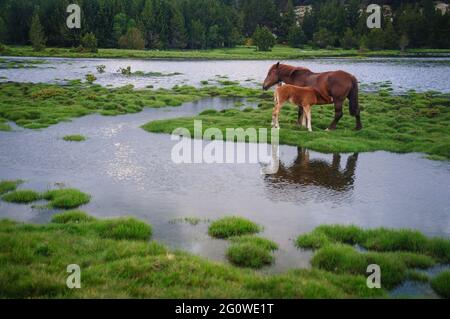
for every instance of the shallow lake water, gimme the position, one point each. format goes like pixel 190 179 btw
pixel 420 74
pixel 129 171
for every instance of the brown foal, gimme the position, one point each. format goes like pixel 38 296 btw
pixel 304 97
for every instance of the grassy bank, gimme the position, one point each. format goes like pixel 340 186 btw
pixel 117 260
pixel 239 53
pixel 414 122
pixel 399 253
pixel 41 105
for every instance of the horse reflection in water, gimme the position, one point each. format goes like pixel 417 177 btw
pixel 305 173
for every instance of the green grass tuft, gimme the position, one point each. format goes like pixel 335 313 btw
pixel 232 226
pixel 21 196
pixel 378 239
pixel 66 198
pixel 255 240
pixel 74 138
pixel 9 185
pixel 249 254
pixel 123 228
pixel 74 216
pixel 441 284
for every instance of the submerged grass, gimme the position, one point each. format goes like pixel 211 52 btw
pixel 124 264
pixel 9 185
pixel 24 196
pixel 74 138
pixel 413 122
pixel 232 226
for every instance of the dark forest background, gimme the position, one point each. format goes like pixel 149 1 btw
pixel 202 24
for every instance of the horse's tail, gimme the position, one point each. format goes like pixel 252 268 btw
pixel 353 98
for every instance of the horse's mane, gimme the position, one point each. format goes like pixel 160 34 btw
pixel 287 69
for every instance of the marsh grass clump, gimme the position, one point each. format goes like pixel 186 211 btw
pixel 24 196
pixel 441 284
pixel 232 226
pixel 345 259
pixel 251 251
pixel 9 185
pixel 66 198
pixel 249 254
pixel 74 138
pixel 255 240
pixel 399 252
pixel 74 216
pixel 123 228
pixel 377 239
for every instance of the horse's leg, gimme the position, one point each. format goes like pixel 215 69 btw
pixel 337 115
pixel 275 115
pixel 300 116
pixel 303 118
pixel 308 116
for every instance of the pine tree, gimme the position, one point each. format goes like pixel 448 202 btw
pixel 178 30
pixel 198 35
pixel 263 39
pixel 37 35
pixel 296 38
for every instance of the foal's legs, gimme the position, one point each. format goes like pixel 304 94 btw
pixel 307 110
pixel 337 114
pixel 275 115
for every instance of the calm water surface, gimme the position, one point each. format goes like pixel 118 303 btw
pixel 405 73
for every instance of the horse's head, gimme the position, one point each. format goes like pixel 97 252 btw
pixel 272 77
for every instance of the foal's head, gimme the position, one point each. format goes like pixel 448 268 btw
pixel 272 77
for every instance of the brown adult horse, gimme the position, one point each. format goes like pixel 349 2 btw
pixel 334 86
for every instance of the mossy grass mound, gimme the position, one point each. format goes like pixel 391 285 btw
pixel 441 284
pixel 22 196
pixel 251 251
pixel 232 226
pixel 73 216
pixel 66 198
pixel 255 240
pixel 398 252
pixel 378 239
pixel 249 254
pixel 9 185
